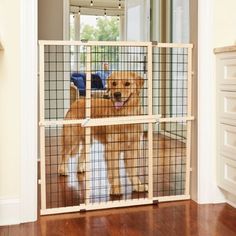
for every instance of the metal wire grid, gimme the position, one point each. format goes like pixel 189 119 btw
pixel 70 190
pixel 170 96
pixel 126 64
pixel 114 167
pixel 59 66
pixel 170 100
pixel 169 159
pixel 60 62
pixel 170 81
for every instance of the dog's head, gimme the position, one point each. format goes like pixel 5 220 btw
pixel 124 86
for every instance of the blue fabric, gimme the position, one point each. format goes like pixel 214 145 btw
pixel 103 75
pixel 79 80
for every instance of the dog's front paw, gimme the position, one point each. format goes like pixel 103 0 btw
pixel 63 170
pixel 140 188
pixel 115 191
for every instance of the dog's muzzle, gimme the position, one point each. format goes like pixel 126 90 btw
pixel 117 100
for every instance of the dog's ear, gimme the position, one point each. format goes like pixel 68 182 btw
pixel 139 81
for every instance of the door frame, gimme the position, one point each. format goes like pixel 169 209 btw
pixel 29 110
pixel 207 191
pixel 148 21
pixel 66 19
pixel 28 210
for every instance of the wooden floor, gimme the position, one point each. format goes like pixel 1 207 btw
pixel 166 219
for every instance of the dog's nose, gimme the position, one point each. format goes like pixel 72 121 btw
pixel 117 95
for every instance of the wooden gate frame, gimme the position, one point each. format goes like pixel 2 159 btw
pixel 149 119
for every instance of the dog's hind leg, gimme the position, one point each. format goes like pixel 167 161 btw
pixel 82 158
pixel 70 146
pixel 63 166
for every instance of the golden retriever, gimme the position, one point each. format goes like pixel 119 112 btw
pixel 124 99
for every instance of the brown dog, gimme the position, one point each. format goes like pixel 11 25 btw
pixel 124 92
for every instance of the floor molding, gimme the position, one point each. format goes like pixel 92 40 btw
pixel 9 211
pixel 231 199
pixel 231 203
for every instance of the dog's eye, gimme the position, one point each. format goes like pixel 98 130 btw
pixel 114 83
pixel 127 84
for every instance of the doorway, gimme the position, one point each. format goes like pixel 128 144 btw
pixel 132 9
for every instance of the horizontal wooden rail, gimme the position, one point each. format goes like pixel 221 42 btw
pixel 173 45
pixel 120 120
pixel 94 43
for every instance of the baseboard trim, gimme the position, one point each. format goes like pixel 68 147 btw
pixel 231 203
pixel 231 199
pixel 9 211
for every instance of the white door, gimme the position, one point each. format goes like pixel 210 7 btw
pixel 137 16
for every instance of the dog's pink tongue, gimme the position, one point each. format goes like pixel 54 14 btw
pixel 118 105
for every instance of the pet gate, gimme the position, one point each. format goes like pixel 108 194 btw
pixel 115 124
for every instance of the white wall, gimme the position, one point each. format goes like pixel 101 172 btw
pixel 9 106
pixel 224 22
pixel 9 99
pixel 18 109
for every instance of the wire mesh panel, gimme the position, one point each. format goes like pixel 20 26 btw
pixel 88 155
pixel 61 190
pixel 59 64
pixel 172 135
pixel 170 81
pixel 124 79
pixel 169 159
pixel 118 163
pixel 114 124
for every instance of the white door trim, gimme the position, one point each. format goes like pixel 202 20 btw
pixel 208 192
pixel 66 19
pixel 147 21
pixel 29 110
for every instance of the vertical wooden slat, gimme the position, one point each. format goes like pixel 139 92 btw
pixel 189 123
pixel 163 83
pixel 42 128
pixel 190 76
pixel 88 129
pixel 150 125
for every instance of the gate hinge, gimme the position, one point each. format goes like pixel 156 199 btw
pixel 82 210
pixel 155 202
pixel 85 122
pixel 157 118
pixel 41 124
pixel 84 40
pixel 155 43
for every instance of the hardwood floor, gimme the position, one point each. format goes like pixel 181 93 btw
pixel 166 219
